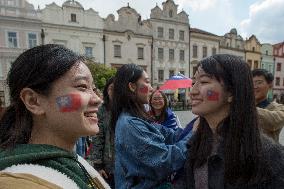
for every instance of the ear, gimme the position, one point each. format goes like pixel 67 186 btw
pixel 31 99
pixel 132 86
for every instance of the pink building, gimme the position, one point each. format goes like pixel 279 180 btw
pixel 278 86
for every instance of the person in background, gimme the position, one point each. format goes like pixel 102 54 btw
pixel 270 114
pixel 53 104
pixel 227 149
pixel 102 151
pixel 146 153
pixel 160 111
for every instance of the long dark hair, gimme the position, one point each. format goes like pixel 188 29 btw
pixel 123 98
pixel 239 131
pixel 105 93
pixel 164 109
pixel 36 68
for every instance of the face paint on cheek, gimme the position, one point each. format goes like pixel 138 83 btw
pixel 143 89
pixel 69 103
pixel 212 95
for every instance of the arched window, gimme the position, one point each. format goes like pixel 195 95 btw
pixel 171 13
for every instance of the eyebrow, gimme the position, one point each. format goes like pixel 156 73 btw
pixel 78 78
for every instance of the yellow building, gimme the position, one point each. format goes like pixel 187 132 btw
pixel 252 52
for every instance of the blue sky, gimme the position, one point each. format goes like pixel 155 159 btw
pixel 264 18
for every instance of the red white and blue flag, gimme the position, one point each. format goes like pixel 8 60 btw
pixel 212 95
pixel 69 103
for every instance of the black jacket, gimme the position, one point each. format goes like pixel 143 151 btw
pixel 272 152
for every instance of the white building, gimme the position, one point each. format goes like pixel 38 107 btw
pixel 128 40
pixel 74 27
pixel 20 29
pixel 232 43
pixel 171 42
pixel 202 45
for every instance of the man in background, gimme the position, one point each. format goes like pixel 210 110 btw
pixel 271 114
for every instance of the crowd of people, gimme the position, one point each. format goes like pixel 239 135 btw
pixel 58 132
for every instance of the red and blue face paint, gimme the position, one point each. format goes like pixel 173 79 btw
pixel 69 103
pixel 212 95
pixel 143 89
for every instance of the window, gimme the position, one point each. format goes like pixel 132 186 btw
pixel 181 35
pixel 32 40
pixel 11 3
pixel 266 52
pixel 140 52
pixel 194 53
pixel 270 68
pixel 12 40
pixel 262 65
pixel 89 52
pixel 171 33
pixel 255 64
pixel 160 53
pixel 1 70
pixel 250 63
pixel 161 75
pixel 277 81
pixel 160 32
pixel 278 68
pixel 181 55
pixel 253 49
pixel 171 13
pixel 171 73
pixel 117 51
pixel 2 98
pixel 194 69
pixel 283 81
pixel 171 54
pixel 214 50
pixel 204 52
pixel 73 17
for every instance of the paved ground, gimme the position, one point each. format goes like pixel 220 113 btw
pixel 186 116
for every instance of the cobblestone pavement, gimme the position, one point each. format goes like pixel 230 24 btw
pixel 186 116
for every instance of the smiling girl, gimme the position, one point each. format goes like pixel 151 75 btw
pixel 227 150
pixel 145 153
pixel 53 103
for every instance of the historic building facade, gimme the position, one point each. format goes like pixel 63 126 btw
pixel 232 43
pixel 20 28
pixel 267 60
pixel 202 45
pixel 170 31
pixel 74 27
pixel 252 52
pixel 278 87
pixel 128 40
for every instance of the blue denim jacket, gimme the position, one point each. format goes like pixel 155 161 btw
pixel 146 154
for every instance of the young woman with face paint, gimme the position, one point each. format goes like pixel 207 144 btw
pixel 227 149
pixel 160 111
pixel 146 153
pixel 53 103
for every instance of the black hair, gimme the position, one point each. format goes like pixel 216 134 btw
pixel 105 93
pixel 37 69
pixel 123 98
pixel 239 131
pixel 262 72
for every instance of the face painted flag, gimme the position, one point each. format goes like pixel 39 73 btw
pixel 212 95
pixel 69 103
pixel 144 89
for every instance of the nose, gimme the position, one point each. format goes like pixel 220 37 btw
pixel 194 90
pixel 95 99
pixel 151 88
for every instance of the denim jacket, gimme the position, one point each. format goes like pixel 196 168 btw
pixel 146 153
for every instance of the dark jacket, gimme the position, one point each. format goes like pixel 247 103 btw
pixel 272 152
